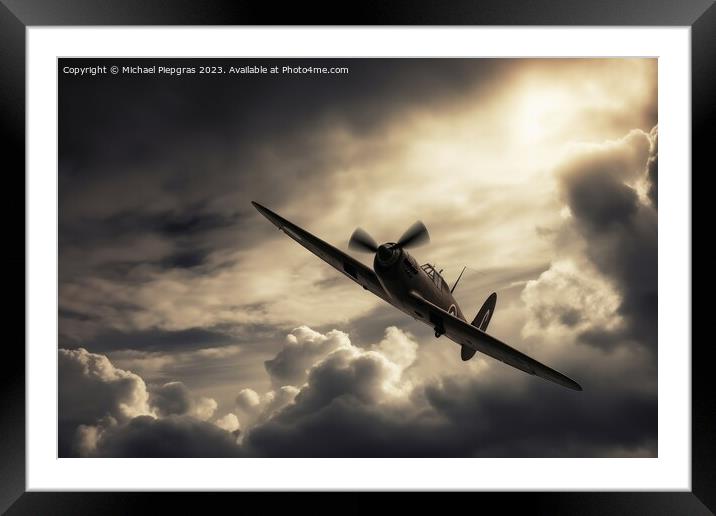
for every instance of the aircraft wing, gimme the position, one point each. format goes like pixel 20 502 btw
pixel 348 265
pixel 468 335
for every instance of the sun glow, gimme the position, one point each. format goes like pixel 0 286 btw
pixel 536 112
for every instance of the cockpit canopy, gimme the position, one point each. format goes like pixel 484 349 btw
pixel 429 270
pixel 434 275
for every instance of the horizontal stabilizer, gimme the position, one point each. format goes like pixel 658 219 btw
pixel 466 353
pixel 470 336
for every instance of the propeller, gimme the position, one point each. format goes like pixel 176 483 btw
pixel 362 241
pixel 414 236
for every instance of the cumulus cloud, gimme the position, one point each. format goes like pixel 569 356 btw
pixel 330 369
pixel 204 408
pixel 569 299
pixel 366 381
pixel 597 180
pixel 367 377
pixel 303 347
pixel 274 401
pixel 229 422
pixel 172 398
pixel 248 400
pixel 86 437
pixel 359 403
pixel 92 389
pixel 175 398
pixel 99 404
pixel 465 417
pixel 398 347
pixel 253 408
pixel 619 229
pixel 312 368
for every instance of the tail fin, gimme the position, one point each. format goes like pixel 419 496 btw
pixel 481 320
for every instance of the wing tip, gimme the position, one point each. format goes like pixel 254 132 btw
pixel 558 378
pixel 571 384
pixel 273 217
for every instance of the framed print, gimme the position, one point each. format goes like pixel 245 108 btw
pixel 272 257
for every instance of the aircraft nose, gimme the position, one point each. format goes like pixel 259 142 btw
pixel 384 253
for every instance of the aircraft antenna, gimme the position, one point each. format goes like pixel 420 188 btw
pixel 458 280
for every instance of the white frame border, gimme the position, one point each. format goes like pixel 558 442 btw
pixel 671 470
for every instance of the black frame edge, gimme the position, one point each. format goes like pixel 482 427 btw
pixel 703 404
pixel 12 134
pixel 700 14
pixel 368 12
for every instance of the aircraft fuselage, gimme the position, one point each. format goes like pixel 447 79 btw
pixel 400 274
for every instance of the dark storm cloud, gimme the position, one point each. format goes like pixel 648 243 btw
pixel 545 422
pixel 111 246
pixel 165 223
pixel 156 173
pixel 175 142
pixel 345 410
pixel 619 229
pixel 598 201
pixel 477 421
pixel 348 428
pixel 158 340
pixel 128 117
pixel 192 234
pixel 175 436
pixel 184 260
pixel 190 131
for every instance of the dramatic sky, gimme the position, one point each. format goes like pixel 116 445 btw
pixel 190 326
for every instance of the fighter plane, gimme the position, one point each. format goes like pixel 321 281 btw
pixel 418 290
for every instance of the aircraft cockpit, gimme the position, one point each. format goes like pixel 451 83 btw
pixel 434 275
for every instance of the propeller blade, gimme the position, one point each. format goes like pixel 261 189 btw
pixel 362 241
pixel 416 235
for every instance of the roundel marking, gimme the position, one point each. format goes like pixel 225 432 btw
pixel 452 310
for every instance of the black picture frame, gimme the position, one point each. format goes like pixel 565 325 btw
pixel 17 15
